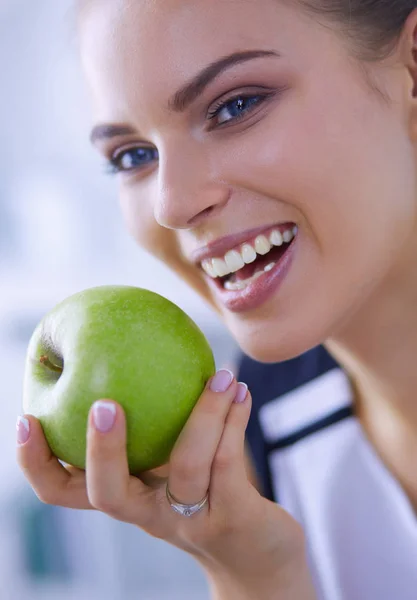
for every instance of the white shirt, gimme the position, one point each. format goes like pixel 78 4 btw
pixel 360 526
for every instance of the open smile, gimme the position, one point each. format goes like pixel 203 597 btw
pixel 245 276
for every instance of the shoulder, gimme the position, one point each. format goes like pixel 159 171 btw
pixel 291 400
pixel 270 380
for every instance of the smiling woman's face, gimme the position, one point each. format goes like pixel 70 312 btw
pixel 236 123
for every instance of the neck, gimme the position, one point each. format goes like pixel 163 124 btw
pixel 378 348
pixel 378 351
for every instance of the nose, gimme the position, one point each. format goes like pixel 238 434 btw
pixel 189 190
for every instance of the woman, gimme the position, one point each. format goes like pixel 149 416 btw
pixel 267 153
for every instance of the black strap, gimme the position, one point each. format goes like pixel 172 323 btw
pixel 270 381
pixel 328 421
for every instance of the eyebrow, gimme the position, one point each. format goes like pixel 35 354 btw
pixel 194 88
pixel 188 93
pixel 105 132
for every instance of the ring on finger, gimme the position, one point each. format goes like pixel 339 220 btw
pixel 186 510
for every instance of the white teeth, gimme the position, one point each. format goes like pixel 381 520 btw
pixel 208 267
pixel 262 245
pixel 220 267
pixel 276 238
pixel 234 261
pixel 232 286
pixel 241 285
pixel 248 254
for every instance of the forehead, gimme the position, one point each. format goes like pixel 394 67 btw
pixel 148 48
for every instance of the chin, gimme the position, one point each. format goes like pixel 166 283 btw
pixel 264 347
pixel 264 339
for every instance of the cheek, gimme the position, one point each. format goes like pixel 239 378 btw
pixel 139 221
pixel 160 242
pixel 348 175
pixel 343 164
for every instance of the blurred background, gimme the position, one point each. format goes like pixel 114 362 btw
pixel 60 232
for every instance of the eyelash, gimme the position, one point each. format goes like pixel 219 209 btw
pixel 223 104
pixel 113 165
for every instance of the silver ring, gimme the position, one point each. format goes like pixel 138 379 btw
pixel 186 510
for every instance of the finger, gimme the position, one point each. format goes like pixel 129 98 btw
pixel 110 487
pixel 192 456
pixel 229 474
pixel 51 481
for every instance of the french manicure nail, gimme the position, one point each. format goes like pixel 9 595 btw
pixel 23 430
pixel 104 415
pixel 221 381
pixel 242 392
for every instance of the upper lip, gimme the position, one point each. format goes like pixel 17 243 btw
pixel 219 247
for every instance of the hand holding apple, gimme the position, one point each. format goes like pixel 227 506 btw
pixel 250 547
pixel 124 343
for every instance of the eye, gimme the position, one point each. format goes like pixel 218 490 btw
pixel 235 108
pixel 132 159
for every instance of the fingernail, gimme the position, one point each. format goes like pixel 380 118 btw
pixel 104 415
pixel 221 381
pixel 242 392
pixel 23 430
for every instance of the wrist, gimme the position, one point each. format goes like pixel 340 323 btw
pixel 268 577
pixel 293 583
pixel 263 558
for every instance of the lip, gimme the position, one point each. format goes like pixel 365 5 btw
pixel 260 290
pixel 219 247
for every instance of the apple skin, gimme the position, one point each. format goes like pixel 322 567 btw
pixel 122 343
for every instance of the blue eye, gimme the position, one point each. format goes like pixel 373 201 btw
pixel 235 108
pixel 132 159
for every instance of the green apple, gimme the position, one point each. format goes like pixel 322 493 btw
pixel 122 343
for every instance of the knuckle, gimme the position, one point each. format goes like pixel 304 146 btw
pixel 24 462
pixel 103 452
pixel 110 506
pixel 187 468
pixel 211 407
pixel 47 496
pixel 224 459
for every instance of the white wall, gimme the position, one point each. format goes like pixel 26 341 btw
pixel 60 232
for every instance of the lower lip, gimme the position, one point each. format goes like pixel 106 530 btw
pixel 258 291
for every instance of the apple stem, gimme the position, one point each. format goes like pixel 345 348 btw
pixel 45 361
